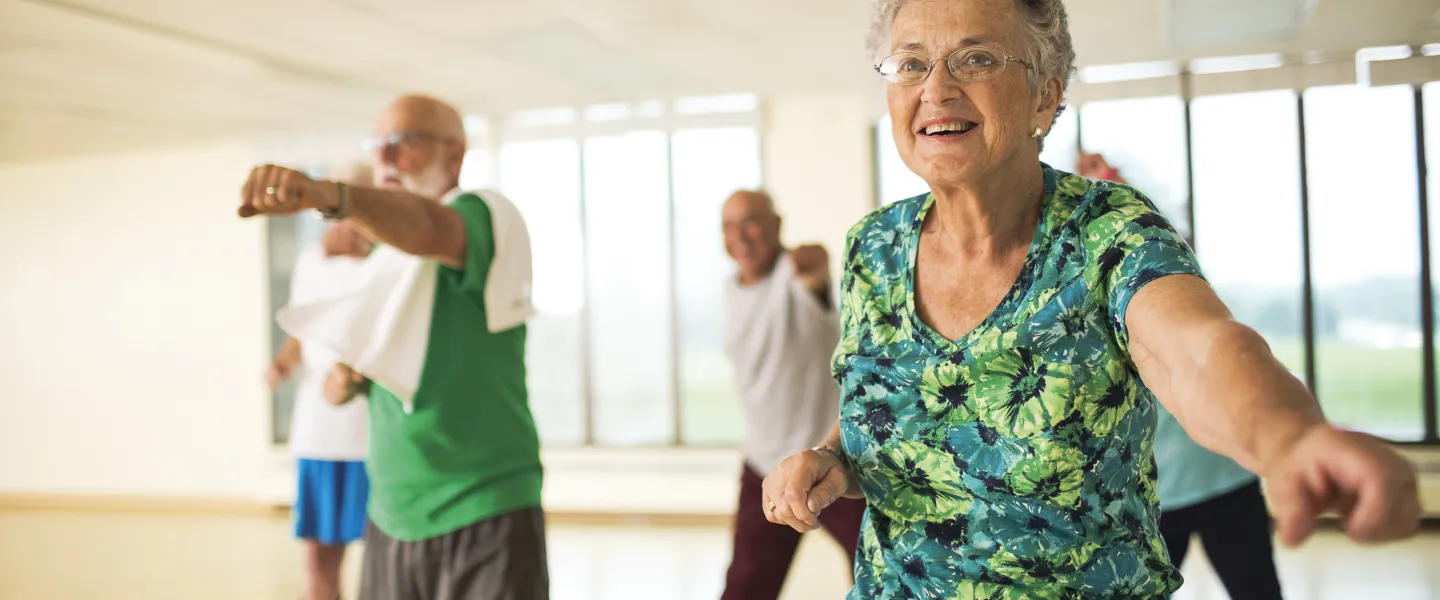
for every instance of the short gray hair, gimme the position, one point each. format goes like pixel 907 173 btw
pixel 1047 28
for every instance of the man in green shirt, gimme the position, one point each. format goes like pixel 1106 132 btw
pixel 455 472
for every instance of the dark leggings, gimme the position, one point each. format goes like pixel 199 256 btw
pixel 1235 530
pixel 764 550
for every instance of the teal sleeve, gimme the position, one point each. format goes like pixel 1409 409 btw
pixel 1130 245
pixel 479 248
pixel 856 285
pixel 851 302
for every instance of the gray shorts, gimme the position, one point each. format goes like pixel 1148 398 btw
pixel 501 558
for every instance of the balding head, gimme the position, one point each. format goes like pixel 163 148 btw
pixel 752 233
pixel 753 201
pixel 422 113
pixel 421 146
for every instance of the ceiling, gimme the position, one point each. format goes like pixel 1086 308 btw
pixel 87 76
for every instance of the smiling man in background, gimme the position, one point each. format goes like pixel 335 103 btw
pixel 781 330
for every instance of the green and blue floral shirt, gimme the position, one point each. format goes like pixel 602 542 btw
pixel 1015 462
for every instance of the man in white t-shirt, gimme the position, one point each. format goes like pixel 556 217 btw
pixel 781 331
pixel 328 441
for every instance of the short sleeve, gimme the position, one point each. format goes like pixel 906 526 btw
pixel 854 289
pixel 1129 244
pixel 479 247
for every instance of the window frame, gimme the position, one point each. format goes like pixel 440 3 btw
pixel 669 123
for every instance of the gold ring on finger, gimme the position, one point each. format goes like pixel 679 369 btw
pixel 771 506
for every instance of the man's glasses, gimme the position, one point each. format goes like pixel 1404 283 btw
pixel 402 139
pixel 976 63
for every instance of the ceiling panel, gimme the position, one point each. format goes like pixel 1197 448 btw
pixel 1207 23
pixel 97 75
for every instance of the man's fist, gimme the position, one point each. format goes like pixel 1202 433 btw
pixel 1094 166
pixel 812 266
pixel 273 190
pixel 343 384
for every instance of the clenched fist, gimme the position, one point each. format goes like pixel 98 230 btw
pixel 343 384
pixel 1368 484
pixel 1094 166
pixel 273 190
pixel 812 266
pixel 802 486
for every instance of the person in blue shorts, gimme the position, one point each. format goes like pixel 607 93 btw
pixel 328 441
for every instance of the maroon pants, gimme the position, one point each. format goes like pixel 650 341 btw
pixel 763 550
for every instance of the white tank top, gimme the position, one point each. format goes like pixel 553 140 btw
pixel 318 430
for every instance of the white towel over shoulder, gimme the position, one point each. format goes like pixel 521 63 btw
pixel 507 287
pixel 381 327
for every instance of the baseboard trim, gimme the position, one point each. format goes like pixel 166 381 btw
pixel 607 519
pixel 80 502
pixel 229 507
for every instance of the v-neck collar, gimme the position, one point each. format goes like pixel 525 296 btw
pixel 1006 307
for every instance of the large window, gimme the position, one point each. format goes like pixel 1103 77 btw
pixel 285 239
pixel 708 165
pixel 1145 139
pixel 627 225
pixel 623 204
pixel 1365 249
pixel 1431 113
pixel 1248 213
pixel 542 178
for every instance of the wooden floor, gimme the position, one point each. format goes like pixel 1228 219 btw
pixel 75 555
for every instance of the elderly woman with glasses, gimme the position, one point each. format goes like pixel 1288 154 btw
pixel 1007 335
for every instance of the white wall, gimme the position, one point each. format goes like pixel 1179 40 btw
pixel 819 166
pixel 132 326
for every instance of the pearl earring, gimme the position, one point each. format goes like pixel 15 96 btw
pixel 1039 133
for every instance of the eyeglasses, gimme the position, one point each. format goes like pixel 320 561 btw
pixel 406 139
pixel 976 63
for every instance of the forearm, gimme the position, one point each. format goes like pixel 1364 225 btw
pixel 816 317
pixel 409 223
pixel 852 487
pixel 1239 400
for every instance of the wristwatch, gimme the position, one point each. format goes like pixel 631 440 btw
pixel 342 207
